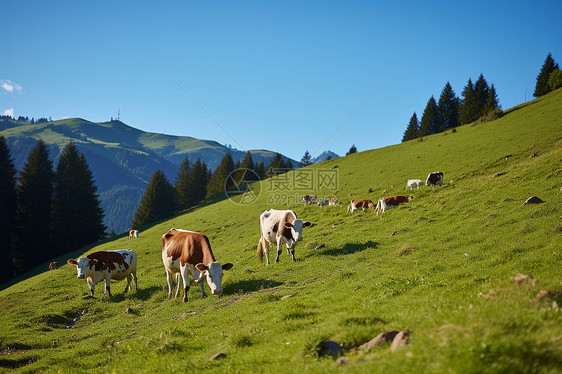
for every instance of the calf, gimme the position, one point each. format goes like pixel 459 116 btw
pixel 107 265
pixel 434 179
pixel 133 234
pixel 386 203
pixel 308 199
pixel 364 204
pixel 280 227
pixel 414 183
pixel 189 253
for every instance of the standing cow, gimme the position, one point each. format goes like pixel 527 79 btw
pixel 189 253
pixel 434 179
pixel 386 203
pixel 280 227
pixel 414 183
pixel 133 234
pixel 107 265
pixel 364 204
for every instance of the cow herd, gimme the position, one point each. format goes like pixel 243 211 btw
pixel 187 253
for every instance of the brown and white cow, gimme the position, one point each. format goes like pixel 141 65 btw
pixel 107 265
pixel 364 204
pixel 386 203
pixel 189 253
pixel 280 227
pixel 333 201
pixel 133 234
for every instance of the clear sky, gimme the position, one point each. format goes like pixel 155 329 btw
pixel 288 76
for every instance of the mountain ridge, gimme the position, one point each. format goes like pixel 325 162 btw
pixel 122 158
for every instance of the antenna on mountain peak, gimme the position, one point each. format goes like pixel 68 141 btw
pixel 118 114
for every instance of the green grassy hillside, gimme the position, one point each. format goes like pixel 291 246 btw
pixel 442 266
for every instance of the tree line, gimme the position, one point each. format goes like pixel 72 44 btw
pixel 195 182
pixel 45 212
pixel 479 101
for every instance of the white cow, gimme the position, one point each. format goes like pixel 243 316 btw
pixel 280 227
pixel 414 183
pixel 107 265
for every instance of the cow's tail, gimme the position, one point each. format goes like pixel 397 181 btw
pixel 260 249
pixel 379 207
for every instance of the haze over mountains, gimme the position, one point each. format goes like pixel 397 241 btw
pixel 122 158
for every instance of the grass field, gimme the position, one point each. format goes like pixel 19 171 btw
pixel 442 266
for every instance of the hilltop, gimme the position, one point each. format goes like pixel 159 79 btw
pixel 122 158
pixel 466 266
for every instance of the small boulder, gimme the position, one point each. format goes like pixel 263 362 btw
pixel 379 340
pixel 400 340
pixel 218 356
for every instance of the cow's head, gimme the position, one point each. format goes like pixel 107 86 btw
pixel 410 197
pixel 296 228
pixel 213 273
pixel 82 265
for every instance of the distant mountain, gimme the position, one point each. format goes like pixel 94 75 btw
pixel 122 158
pixel 324 156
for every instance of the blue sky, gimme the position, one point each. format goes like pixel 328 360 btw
pixel 287 76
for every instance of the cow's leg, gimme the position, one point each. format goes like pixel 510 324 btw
pixel 129 278
pixel 202 290
pixel 279 250
pixel 178 281
pixel 185 278
pixel 265 250
pixel 293 254
pixel 170 278
pixel 92 287
pixel 108 284
pixel 136 283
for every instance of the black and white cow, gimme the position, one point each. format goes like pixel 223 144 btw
pixel 434 179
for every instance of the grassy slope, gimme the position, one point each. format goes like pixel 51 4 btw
pixel 446 273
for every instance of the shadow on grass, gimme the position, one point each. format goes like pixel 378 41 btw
pixel 250 286
pixel 350 248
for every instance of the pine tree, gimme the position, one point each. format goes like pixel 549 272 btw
pixel 448 107
pixel 7 210
pixel 34 211
pixel 260 169
pixel 555 80
pixel 352 150
pixel 492 101
pixel 198 181
pixel 412 130
pixel 468 108
pixel 542 87
pixel 157 202
pixel 430 123
pixel 245 170
pixel 276 166
pixel 481 90
pixel 77 215
pixel 183 187
pixel 289 165
pixel 218 182
pixel 306 159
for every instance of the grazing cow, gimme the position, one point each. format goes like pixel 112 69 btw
pixel 107 265
pixel 133 234
pixel 434 179
pixel 280 227
pixel 189 253
pixel 414 183
pixel 386 203
pixel 323 202
pixel 308 199
pixel 333 201
pixel 364 204
pixel 53 265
